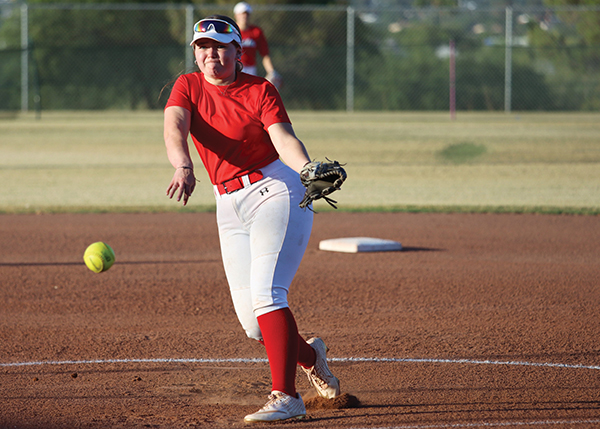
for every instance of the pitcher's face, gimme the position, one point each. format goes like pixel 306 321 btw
pixel 216 60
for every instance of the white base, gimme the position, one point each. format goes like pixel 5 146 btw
pixel 359 244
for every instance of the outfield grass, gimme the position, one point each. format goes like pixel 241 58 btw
pixel 115 161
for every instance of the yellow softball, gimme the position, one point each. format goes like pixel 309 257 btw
pixel 99 257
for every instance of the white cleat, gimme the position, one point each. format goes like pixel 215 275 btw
pixel 280 406
pixel 319 375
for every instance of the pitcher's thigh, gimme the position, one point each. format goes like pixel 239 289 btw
pixel 278 240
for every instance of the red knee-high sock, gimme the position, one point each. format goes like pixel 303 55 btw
pixel 306 354
pixel 280 336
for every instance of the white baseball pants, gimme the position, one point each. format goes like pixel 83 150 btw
pixel 263 235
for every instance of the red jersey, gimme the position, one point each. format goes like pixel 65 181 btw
pixel 229 123
pixel 253 40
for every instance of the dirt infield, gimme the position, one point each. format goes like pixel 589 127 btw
pixel 481 321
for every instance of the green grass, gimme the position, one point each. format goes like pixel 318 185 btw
pixel 480 162
pixel 460 153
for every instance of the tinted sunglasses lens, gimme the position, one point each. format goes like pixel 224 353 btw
pixel 218 26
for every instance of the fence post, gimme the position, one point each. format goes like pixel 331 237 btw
pixel 350 60
pixel 508 61
pixel 452 80
pixel 189 23
pixel 24 58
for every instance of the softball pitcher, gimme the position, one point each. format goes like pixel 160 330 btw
pixel 247 144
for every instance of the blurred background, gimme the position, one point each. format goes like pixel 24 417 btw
pixel 477 55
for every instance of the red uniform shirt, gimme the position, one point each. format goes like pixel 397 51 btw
pixel 229 123
pixel 253 40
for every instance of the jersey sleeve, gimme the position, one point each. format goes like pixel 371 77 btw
pixel 180 94
pixel 273 110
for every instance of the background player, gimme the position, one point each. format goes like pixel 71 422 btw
pixel 253 41
pixel 241 130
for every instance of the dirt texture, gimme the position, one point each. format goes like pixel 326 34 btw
pixel 481 320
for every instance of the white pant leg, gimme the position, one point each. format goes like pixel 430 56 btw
pixel 263 237
pixel 235 252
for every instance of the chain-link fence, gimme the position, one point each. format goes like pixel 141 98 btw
pixel 120 56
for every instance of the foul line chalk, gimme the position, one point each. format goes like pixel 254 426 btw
pixel 489 425
pixel 348 359
pixel 467 361
pixel 102 361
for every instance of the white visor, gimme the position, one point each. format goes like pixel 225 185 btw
pixel 216 29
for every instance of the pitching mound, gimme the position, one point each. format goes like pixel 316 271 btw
pixel 345 400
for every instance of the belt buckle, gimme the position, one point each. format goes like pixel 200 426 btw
pixel 225 187
pixel 233 190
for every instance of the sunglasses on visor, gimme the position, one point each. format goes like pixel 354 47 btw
pixel 222 27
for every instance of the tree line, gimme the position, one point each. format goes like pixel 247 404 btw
pixel 100 58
